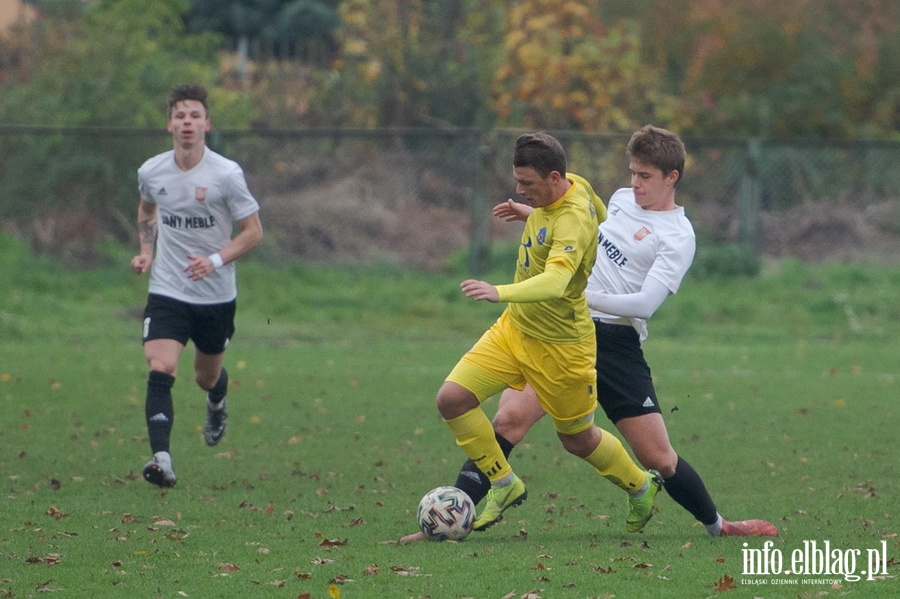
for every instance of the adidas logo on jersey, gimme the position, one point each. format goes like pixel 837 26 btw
pixel 162 192
pixel 648 403
pixel 159 417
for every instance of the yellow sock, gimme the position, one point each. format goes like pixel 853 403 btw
pixel 475 435
pixel 615 465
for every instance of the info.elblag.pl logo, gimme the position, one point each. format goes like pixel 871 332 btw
pixel 814 559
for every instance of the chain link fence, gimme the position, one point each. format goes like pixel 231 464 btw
pixel 416 197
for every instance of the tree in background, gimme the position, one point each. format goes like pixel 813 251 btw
pixel 411 63
pixel 564 68
pixel 775 68
pixel 301 30
pixel 271 48
pixel 827 68
pixel 110 63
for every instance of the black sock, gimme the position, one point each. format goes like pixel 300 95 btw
pixel 217 393
pixel 687 489
pixel 472 480
pixel 158 409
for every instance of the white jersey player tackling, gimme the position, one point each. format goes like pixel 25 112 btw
pixel 645 247
pixel 190 198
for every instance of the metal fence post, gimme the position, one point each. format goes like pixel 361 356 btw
pixel 750 201
pixel 479 237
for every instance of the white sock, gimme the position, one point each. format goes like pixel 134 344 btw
pixel 215 407
pixel 640 491
pixel 504 481
pixel 715 529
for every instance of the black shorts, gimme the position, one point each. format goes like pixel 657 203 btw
pixel 209 326
pixel 624 384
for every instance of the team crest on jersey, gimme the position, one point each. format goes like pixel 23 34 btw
pixel 542 236
pixel 641 233
pixel 200 194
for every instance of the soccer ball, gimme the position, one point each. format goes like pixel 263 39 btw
pixel 446 514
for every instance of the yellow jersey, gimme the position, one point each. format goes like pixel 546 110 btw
pixel 564 232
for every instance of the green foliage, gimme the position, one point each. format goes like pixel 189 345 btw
pixel 281 29
pixel 413 63
pixel 110 65
pixel 724 260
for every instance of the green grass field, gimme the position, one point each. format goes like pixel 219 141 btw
pixel 781 390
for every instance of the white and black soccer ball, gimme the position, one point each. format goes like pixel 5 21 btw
pixel 446 514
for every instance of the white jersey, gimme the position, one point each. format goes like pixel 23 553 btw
pixel 634 244
pixel 196 212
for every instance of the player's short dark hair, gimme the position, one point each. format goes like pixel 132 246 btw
pixel 542 152
pixel 189 91
pixel 658 147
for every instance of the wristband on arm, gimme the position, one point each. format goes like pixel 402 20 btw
pixel 216 260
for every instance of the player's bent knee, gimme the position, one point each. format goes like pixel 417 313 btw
pixel 662 462
pixel 454 400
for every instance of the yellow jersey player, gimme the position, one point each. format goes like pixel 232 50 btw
pixel 544 338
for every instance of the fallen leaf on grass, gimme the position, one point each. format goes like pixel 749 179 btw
pixel 865 488
pixel 51 559
pixel 164 523
pixel 726 583
pixel 227 567
pixel 53 512
pixel 370 570
pixel 333 542
pixel 43 587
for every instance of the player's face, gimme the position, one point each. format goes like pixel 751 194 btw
pixel 188 124
pixel 537 191
pixel 653 190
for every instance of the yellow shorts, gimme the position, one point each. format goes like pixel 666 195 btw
pixel 562 375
